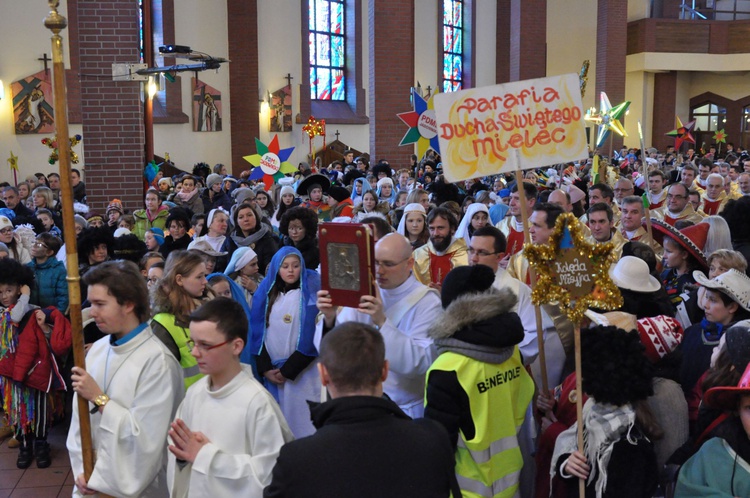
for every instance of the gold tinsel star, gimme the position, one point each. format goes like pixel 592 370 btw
pixel 572 271
pixel 13 161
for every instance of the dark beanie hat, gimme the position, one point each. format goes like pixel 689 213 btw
pixel 339 193
pixel 465 280
pixel 738 345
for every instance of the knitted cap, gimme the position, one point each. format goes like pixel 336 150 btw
pixel 213 179
pixel 661 335
pixel 465 280
pixel 5 222
pixel 158 234
pixel 286 189
pixel 115 205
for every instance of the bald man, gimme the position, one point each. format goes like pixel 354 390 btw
pixel 403 310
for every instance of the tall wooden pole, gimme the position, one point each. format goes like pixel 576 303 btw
pixel 579 404
pixel 56 23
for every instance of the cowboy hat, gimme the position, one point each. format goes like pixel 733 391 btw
pixel 692 238
pixel 733 283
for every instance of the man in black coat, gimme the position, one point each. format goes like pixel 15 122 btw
pixel 365 446
pixel 13 201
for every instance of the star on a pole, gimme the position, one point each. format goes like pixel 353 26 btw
pixel 608 118
pixel 13 161
pixel 572 271
pixel 270 162
pixel 682 133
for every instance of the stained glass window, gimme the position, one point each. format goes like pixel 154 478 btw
pixel 453 45
pixel 327 50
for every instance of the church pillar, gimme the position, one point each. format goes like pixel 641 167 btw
pixel 528 39
pixel 243 80
pixel 665 95
pixel 611 46
pixel 502 42
pixel 111 111
pixel 391 60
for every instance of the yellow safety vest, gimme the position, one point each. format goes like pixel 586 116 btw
pixel 489 465
pixel 190 371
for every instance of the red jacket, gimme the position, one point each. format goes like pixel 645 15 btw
pixel 33 363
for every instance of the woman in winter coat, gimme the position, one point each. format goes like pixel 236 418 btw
pixel 155 215
pixel 250 232
pixel 370 205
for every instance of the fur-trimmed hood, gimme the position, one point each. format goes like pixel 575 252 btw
pixel 484 319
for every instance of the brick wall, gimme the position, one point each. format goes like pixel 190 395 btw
pixel 611 48
pixel 665 95
pixel 391 61
pixel 243 79
pixel 111 112
pixel 502 42
pixel 528 39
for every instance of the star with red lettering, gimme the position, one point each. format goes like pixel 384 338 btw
pixel 422 124
pixel 270 162
pixel 682 133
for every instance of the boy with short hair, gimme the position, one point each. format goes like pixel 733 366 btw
pixel 228 431
pixel 134 385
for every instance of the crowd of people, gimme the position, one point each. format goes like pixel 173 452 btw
pixel 217 365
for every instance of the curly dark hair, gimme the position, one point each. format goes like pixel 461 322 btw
pixel 735 214
pixel 14 273
pixel 306 215
pixel 614 366
pixel 90 238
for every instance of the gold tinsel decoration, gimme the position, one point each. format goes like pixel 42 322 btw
pixel 573 272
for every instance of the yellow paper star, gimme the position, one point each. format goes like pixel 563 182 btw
pixel 13 161
pixel 573 272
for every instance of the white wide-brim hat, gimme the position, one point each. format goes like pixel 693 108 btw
pixel 733 283
pixel 632 273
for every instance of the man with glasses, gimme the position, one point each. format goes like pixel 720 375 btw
pixel 487 247
pixel 678 207
pixel 714 198
pixel 403 310
pixel 443 251
pixel 234 457
pixel 623 188
pixel 133 386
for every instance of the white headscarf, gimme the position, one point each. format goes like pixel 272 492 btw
pixel 410 208
pixel 463 228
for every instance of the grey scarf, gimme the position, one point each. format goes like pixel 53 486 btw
pixel 250 239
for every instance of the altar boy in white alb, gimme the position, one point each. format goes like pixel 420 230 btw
pixel 228 431
pixel 134 385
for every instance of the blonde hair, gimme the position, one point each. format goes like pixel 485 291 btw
pixel 46 192
pixel 168 296
pixel 729 259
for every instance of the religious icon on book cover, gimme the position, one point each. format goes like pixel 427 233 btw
pixel 32 104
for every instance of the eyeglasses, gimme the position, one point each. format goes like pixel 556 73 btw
pixel 6 231
pixel 480 252
pixel 295 229
pixel 204 347
pixel 390 264
pixel 40 244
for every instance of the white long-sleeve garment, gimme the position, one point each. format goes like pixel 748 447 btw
pixel 144 383
pixel 246 430
pixel 408 346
